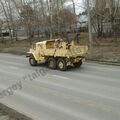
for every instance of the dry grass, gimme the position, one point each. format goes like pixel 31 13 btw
pixel 103 49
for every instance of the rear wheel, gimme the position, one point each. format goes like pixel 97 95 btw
pixel 32 61
pixel 78 64
pixel 61 64
pixel 52 63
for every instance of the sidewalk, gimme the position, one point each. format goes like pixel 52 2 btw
pixel 10 114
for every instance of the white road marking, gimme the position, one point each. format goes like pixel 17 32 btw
pixel 13 67
pixel 58 76
pixel 11 63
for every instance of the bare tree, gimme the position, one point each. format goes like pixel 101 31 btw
pixel 38 16
pixel 1 34
pixel 7 17
pixel 105 14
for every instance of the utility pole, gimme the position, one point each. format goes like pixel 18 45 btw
pixel 73 2
pixel 89 24
pixel 51 19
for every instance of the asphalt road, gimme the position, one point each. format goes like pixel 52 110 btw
pixel 89 93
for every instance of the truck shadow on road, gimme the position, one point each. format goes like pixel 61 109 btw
pixel 69 69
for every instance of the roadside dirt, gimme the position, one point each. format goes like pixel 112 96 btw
pixel 107 50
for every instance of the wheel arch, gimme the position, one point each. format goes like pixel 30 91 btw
pixel 33 55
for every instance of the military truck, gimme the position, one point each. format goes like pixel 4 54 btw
pixel 57 54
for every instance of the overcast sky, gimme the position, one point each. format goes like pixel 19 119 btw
pixel 78 8
pixel 79 4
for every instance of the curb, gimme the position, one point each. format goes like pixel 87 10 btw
pixel 104 62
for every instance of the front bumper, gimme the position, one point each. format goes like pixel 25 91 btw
pixel 27 55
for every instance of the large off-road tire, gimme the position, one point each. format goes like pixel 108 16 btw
pixel 52 63
pixel 61 64
pixel 32 61
pixel 78 64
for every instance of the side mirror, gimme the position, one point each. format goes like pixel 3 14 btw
pixel 34 46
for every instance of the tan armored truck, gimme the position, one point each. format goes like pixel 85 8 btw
pixel 57 54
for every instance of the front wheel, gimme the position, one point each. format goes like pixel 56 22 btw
pixel 61 64
pixel 32 61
